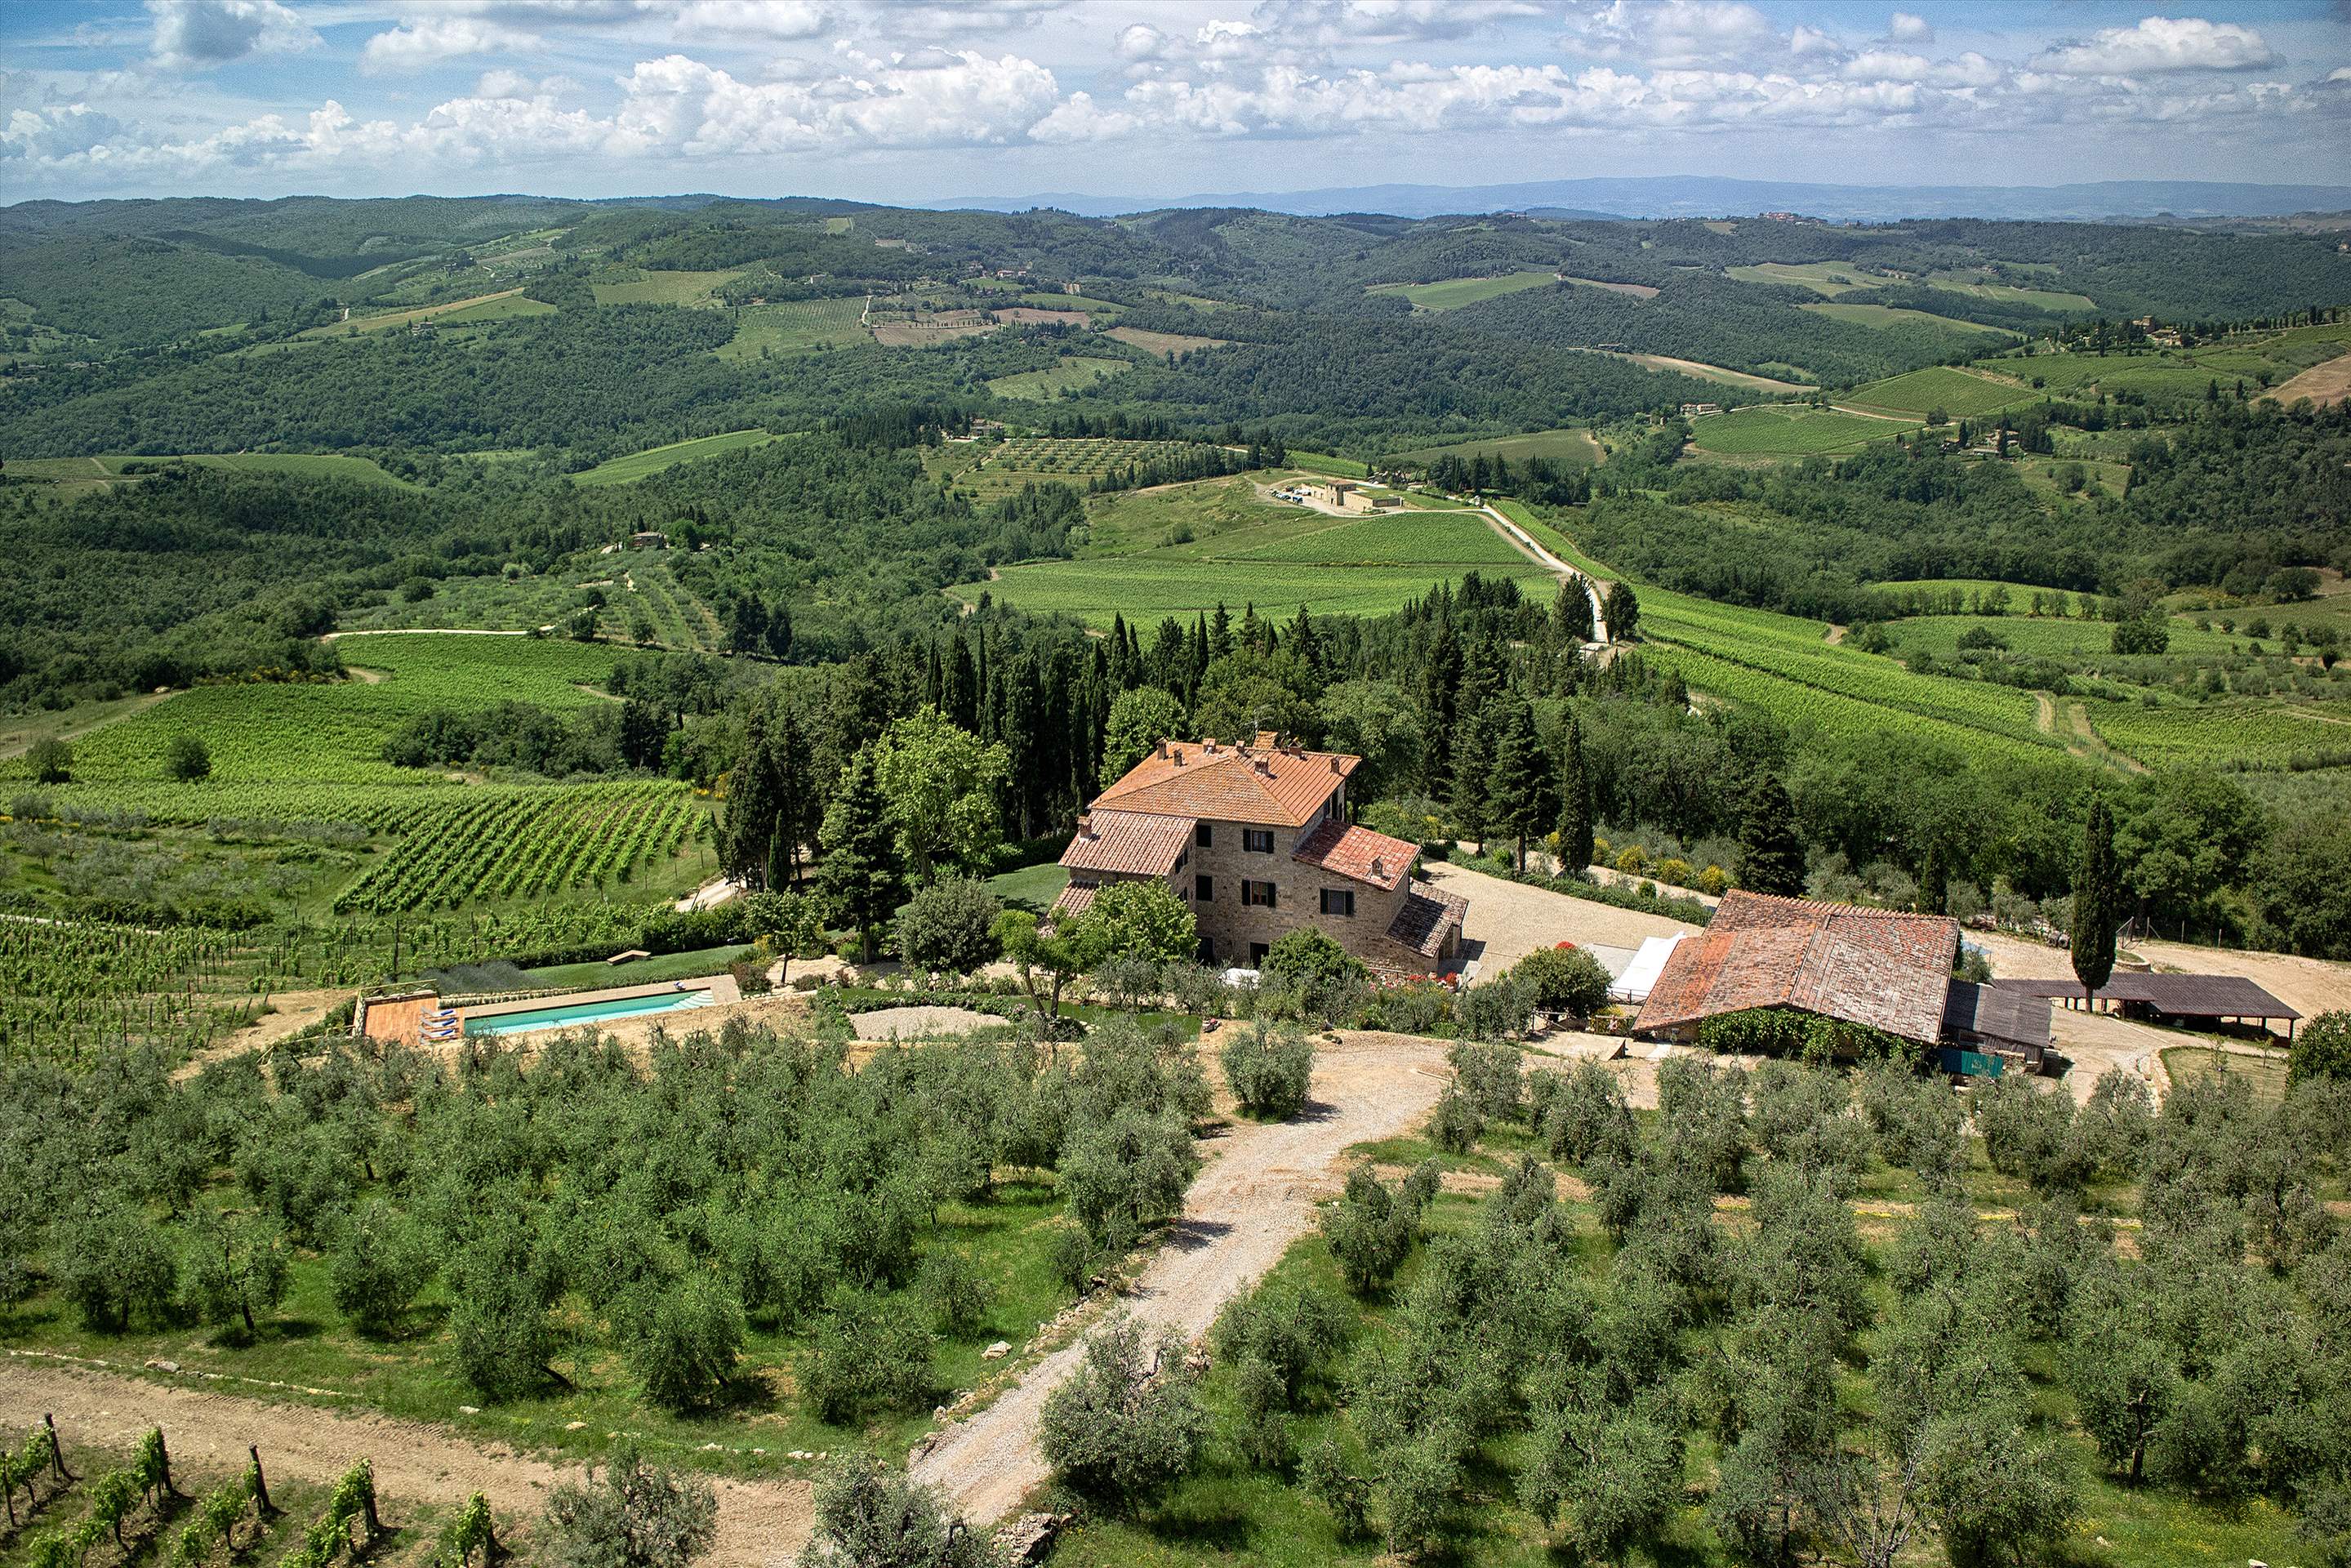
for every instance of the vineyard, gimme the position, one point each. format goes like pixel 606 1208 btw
pixel 69 988
pixel 334 731
pixel 2177 733
pixel 526 844
pixel 138 1509
pixel 1783 665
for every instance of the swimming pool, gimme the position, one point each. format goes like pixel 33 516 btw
pixel 567 1014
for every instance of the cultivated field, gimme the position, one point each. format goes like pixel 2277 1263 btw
pixel 1183 550
pixel 498 307
pixel 1571 446
pixel 793 328
pixel 1893 316
pixel 334 731
pixel 1002 469
pixel 1152 342
pixel 1075 372
pixel 653 459
pixel 664 288
pixel 1961 394
pixel 1743 379
pixel 1790 430
pixel 1454 293
pixel 1828 278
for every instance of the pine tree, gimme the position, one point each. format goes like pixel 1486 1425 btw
pixel 860 875
pixel 1520 798
pixel 2097 901
pixel 1575 828
pixel 1772 857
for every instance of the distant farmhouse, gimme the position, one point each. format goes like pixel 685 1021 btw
pixel 1350 496
pixel 1254 836
pixel 1882 969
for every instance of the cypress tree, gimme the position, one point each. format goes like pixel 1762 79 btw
pixel 799 809
pixel 1520 797
pixel 1440 688
pixel 1624 612
pixel 860 876
pixel 746 835
pixel 2097 901
pixel 1575 830
pixel 1771 857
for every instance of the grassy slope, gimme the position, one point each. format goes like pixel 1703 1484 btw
pixel 1456 292
pixel 652 460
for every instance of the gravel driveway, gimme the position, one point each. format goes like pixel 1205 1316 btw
pixel 1511 919
pixel 1256 1195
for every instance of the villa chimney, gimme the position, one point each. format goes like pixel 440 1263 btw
pixel 1334 762
pixel 1379 869
pixel 1085 824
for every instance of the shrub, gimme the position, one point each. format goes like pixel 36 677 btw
pixel 949 928
pixel 871 1516
pixel 2322 1050
pixel 1129 1420
pixel 634 1515
pixel 1566 980
pixel 955 1292
pixel 1327 980
pixel 868 1354
pixel 1269 1068
pixel 188 759
pixel 51 760
pixel 682 1344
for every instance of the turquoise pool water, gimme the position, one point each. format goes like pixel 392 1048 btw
pixel 566 1014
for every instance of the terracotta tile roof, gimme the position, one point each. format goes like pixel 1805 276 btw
pixel 1134 843
pixel 1359 854
pixel 1928 939
pixel 1879 968
pixel 1074 900
pixel 1233 783
pixel 1426 915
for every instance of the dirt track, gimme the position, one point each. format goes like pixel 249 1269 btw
pixel 760 1523
pixel 1254 1198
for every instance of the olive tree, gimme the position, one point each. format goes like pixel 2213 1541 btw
pixel 1129 1419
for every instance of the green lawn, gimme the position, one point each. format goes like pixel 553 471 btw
pixel 652 460
pixel 1039 885
pixel 1074 372
pixel 1454 292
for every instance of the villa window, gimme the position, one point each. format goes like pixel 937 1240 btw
pixel 1257 840
pixel 1338 900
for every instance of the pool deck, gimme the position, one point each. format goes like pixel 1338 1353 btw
pixel 722 988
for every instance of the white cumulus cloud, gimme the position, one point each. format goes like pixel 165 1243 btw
pixel 425 41
pixel 2159 44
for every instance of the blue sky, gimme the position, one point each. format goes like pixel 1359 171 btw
pixel 888 101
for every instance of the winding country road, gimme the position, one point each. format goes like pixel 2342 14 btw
pixel 1254 1198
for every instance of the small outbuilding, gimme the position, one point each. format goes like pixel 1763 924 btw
pixel 2207 999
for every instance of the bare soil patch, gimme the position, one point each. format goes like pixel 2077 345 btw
pixel 921 1022
pixel 290 1013
pixel 2322 383
pixel 759 1522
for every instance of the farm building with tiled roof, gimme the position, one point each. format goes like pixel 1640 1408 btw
pixel 1886 969
pixel 1254 836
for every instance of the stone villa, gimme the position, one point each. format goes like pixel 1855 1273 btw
pixel 1254 836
